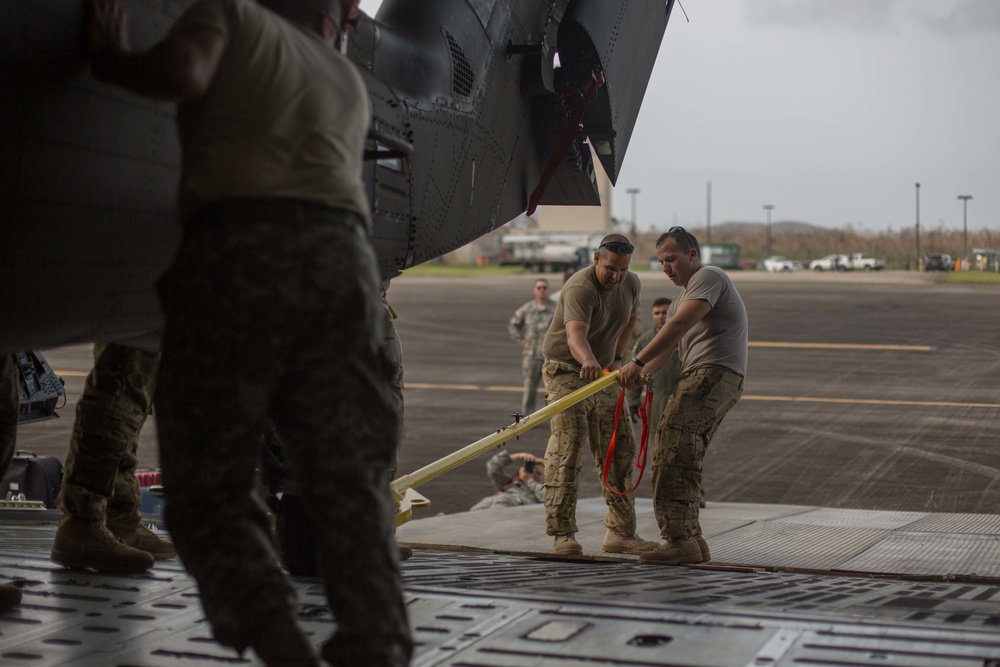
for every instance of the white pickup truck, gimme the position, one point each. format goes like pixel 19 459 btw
pixel 830 263
pixel 859 261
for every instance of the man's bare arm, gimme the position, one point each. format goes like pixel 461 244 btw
pixel 621 345
pixel 579 347
pixel 179 69
pixel 657 353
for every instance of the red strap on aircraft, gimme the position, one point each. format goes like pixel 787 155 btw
pixel 640 458
pixel 589 90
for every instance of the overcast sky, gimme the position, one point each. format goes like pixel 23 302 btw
pixel 829 109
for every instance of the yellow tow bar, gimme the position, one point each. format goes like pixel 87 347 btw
pixel 407 499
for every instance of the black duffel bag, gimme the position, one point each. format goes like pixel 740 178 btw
pixel 36 477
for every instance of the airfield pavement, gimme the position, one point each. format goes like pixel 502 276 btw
pixel 876 391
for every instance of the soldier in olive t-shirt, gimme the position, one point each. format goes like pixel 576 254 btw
pixel 590 331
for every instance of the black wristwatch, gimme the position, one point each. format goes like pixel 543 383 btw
pixel 638 362
pixel 619 357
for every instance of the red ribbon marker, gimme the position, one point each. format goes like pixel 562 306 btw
pixel 640 459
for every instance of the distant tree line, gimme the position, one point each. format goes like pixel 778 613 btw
pixel 797 241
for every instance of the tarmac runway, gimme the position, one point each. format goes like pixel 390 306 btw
pixel 874 391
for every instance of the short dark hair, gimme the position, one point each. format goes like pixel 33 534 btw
pixel 616 243
pixel 684 238
pixel 661 301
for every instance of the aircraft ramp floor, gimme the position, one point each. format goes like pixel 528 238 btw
pixel 771 537
pixel 789 585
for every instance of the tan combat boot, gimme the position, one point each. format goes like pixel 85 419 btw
pixel 675 552
pixel 10 597
pixel 129 529
pixel 633 544
pixel 81 543
pixel 566 545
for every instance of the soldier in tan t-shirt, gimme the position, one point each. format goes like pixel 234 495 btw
pixel 707 325
pixel 272 311
pixel 590 330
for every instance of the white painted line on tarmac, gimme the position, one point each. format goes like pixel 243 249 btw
pixel 844 346
pixel 869 401
pixel 746 397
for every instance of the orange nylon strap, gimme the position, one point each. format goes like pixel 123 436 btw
pixel 640 459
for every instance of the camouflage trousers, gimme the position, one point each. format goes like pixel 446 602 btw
pixel 281 321
pixel 531 371
pixel 693 414
pixel 99 476
pixel 10 410
pixel 591 421
pixel 393 351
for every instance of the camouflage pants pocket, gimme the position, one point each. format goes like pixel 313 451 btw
pixel 685 431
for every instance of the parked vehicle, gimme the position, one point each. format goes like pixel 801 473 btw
pixel 938 261
pixel 548 252
pixel 860 261
pixel 722 255
pixel 778 263
pixel 830 263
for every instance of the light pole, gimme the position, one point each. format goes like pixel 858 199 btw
pixel 633 192
pixel 768 208
pixel 708 214
pixel 919 267
pixel 965 231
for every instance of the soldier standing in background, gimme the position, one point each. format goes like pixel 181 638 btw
pixel 393 351
pixel 102 528
pixel 10 595
pixel 666 379
pixel 528 327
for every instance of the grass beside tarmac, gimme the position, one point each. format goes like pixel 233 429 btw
pixel 438 270
pixel 972 278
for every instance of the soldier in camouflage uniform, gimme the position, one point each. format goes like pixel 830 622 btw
pixel 663 383
pixel 393 354
pixel 524 488
pixel 271 311
pixel 707 325
pixel 590 330
pixel 102 528
pixel 393 351
pixel 528 327
pixel 10 595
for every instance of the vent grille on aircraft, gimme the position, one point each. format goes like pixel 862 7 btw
pixel 462 78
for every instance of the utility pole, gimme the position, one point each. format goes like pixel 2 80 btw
pixel 965 232
pixel 633 192
pixel 768 208
pixel 708 214
pixel 919 265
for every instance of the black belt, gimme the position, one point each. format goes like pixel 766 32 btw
pixel 278 211
pixel 725 374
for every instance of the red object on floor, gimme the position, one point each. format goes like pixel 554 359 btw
pixel 149 478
